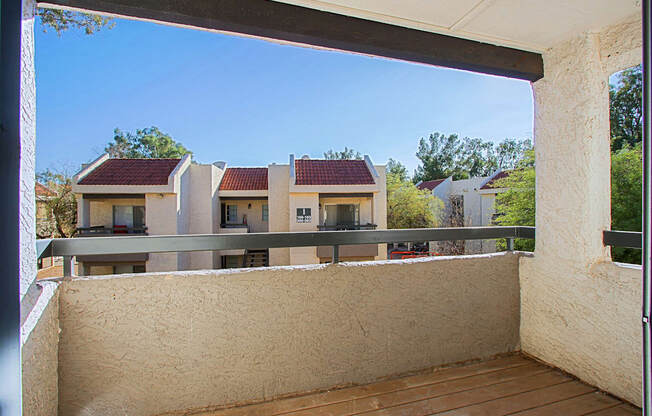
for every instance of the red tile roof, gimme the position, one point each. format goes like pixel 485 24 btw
pixel 500 175
pixel 42 190
pixel 430 185
pixel 131 172
pixel 332 172
pixel 244 179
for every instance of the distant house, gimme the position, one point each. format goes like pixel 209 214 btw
pixel 43 211
pixel 175 196
pixel 468 203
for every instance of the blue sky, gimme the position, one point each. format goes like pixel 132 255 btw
pixel 251 102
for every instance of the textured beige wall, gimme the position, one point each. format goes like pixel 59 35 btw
pixel 588 324
pixel 147 344
pixel 39 355
pixel 161 213
pixel 278 181
pixel 380 208
pixel 304 255
pixel 580 312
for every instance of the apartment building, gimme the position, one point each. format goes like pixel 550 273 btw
pixel 118 197
pixel 468 203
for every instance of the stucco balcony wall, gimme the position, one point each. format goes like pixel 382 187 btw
pixel 152 343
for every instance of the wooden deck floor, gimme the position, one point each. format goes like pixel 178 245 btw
pixel 506 386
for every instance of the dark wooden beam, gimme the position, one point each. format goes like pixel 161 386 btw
pixel 285 22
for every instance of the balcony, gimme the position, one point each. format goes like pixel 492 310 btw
pixel 102 231
pixel 224 337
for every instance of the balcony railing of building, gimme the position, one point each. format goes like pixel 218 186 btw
pixel 231 225
pixel 346 227
pixel 109 231
pixel 68 248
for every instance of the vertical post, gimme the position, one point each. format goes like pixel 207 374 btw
pixel 68 266
pixel 647 210
pixel 10 53
pixel 510 244
pixel 336 254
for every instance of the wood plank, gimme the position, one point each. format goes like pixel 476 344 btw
pixel 576 406
pixel 621 410
pixel 337 396
pixel 302 25
pixel 429 391
pixel 524 401
pixel 474 396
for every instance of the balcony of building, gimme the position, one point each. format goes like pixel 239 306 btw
pixel 187 342
pixel 431 328
pixel 111 214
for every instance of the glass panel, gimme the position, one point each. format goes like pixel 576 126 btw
pixel 123 268
pixel 265 212
pixel 346 214
pixel 232 262
pixel 139 217
pixel 232 214
pixel 123 215
pixel 331 214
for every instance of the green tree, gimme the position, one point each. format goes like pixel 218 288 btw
pixel 626 109
pixel 396 168
pixel 410 207
pixel 346 154
pixel 516 206
pixel 63 20
pixel 510 152
pixel 442 156
pixel 626 197
pixel 146 143
pixel 62 207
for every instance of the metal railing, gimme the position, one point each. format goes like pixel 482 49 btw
pixel 102 231
pixel 347 227
pixel 69 247
pixel 628 239
pixel 132 244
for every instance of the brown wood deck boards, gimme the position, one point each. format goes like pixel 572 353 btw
pixel 506 386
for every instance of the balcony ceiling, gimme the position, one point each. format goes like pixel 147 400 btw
pixel 524 24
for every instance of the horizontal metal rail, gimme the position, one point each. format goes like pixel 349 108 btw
pixel 629 239
pixel 210 242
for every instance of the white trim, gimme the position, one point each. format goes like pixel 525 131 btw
pixel 370 166
pixel 293 179
pixel 89 168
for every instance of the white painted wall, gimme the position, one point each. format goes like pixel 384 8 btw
pixel 27 198
pixel 580 312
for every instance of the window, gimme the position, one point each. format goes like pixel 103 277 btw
pixel 304 215
pixel 342 214
pixel 265 212
pixel 232 214
pixel 129 216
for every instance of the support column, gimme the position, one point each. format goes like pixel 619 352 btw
pixel 83 212
pixel 571 133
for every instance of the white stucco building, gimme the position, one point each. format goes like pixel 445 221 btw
pixel 117 197
pixel 471 203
